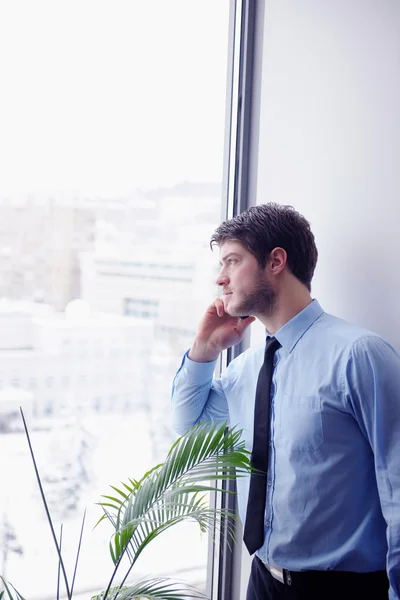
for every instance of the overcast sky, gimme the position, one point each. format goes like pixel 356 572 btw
pixel 100 97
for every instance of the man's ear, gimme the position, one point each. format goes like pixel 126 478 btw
pixel 277 261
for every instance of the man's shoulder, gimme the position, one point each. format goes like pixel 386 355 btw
pixel 339 330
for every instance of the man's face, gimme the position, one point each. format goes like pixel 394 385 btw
pixel 245 285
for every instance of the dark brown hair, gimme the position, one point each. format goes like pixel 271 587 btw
pixel 267 226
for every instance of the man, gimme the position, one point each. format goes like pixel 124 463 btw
pixel 330 503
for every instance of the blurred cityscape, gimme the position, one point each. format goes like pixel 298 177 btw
pixel 99 299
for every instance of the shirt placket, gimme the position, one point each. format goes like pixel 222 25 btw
pixel 268 516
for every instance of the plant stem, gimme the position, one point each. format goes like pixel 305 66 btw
pixel 58 570
pixel 78 552
pixel 46 507
pixel 112 578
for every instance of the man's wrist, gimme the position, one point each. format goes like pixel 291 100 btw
pixel 202 353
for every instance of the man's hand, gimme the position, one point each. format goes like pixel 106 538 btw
pixel 216 332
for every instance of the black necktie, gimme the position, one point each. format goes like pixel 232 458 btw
pixel 253 535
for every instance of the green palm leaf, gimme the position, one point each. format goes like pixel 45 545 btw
pixel 176 490
pixel 12 593
pixel 159 588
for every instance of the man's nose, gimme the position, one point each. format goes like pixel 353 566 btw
pixel 222 278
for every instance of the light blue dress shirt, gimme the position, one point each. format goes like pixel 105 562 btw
pixel 333 492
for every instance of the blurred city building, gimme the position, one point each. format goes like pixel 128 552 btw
pixel 74 361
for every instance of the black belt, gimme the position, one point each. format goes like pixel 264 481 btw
pixel 292 577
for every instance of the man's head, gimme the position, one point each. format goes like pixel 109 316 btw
pixel 268 243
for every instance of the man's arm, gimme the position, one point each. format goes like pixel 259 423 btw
pixel 196 396
pixel 373 383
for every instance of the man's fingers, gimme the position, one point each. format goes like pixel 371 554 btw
pixel 244 323
pixel 219 305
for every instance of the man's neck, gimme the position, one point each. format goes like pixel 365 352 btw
pixel 286 307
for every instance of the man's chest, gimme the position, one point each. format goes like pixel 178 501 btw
pixel 307 407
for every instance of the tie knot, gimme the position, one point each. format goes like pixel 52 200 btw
pixel 271 346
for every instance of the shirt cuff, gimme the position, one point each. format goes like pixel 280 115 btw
pixel 201 372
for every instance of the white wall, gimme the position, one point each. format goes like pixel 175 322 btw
pixel 329 144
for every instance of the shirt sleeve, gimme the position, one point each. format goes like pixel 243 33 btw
pixel 373 386
pixel 197 396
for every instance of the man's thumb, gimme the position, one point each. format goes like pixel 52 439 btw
pixel 244 323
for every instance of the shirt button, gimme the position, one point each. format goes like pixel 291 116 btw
pixel 269 483
pixel 267 523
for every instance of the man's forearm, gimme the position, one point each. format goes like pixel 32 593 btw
pixel 190 393
pixel 195 395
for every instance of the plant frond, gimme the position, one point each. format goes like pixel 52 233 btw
pixel 120 492
pixel 174 491
pixel 148 528
pixel 159 588
pixel 12 594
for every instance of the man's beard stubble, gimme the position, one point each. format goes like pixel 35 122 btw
pixel 261 301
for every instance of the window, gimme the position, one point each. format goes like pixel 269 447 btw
pixel 112 146
pixel 145 308
pixel 97 403
pixel 65 381
pixel 32 383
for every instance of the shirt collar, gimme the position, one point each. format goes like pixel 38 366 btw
pixel 293 330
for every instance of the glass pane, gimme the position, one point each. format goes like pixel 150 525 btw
pixel 111 146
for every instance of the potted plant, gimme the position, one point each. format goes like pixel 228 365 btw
pixel 140 510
